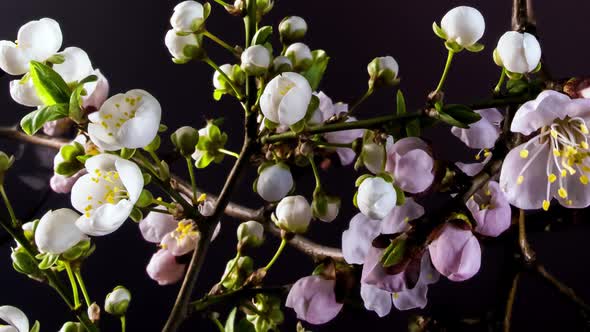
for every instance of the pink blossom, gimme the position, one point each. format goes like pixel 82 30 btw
pixel 491 210
pixel 456 253
pixel 343 137
pixel 100 93
pixel 554 163
pixel 484 133
pixel 63 184
pixel 156 225
pixel 183 239
pixel 314 300
pixel 375 274
pixel 411 164
pixel 164 269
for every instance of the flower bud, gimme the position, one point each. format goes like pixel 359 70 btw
pixel 183 47
pixel 250 233
pixel 518 52
pixel 211 139
pixel 282 64
pixel 185 140
pixel 188 16
pixel 286 98
pixel 383 71
pixel 376 197
pixel 94 312
pixel 463 25
pixel 117 301
pixel 325 207
pixel 292 28
pixel 5 163
pixel 293 214
pixel 264 6
pixel 255 60
pixel 300 55
pixel 57 231
pixel 72 327
pixel 274 182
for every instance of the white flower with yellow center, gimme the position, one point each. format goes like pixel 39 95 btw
pixel 130 120
pixel 285 99
pixel 554 163
pixel 106 195
pixel 183 239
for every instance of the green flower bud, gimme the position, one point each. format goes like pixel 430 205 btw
pixel 72 327
pixel 250 233
pixel 264 6
pixel 269 314
pixel 5 163
pixel 383 71
pixel 117 301
pixel 185 140
pixel 292 29
pixel 236 275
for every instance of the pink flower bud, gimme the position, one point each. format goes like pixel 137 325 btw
pixel 164 269
pixel 456 253
pixel 314 300
pixel 63 184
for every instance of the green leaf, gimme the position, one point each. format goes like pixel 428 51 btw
pixel 145 199
pixel 56 59
pixel 394 253
pixel 36 327
pixel 315 73
pixel 75 109
pixel 458 115
pixel 35 120
pixel 262 36
pixel 475 48
pixel 438 31
pixel 517 86
pixel 298 126
pixel 71 151
pixel 205 160
pixel 231 320
pixel 126 153
pixel 136 214
pixel 49 85
pixel 400 103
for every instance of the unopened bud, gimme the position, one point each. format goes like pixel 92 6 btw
pixel 383 71
pixel 94 312
pixel 72 327
pixel 250 233
pixel 117 301
pixel 282 64
pixel 255 60
pixel 292 28
pixel 300 55
pixel 185 140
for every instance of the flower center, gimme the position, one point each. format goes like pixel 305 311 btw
pixel 114 120
pixel 113 191
pixel 185 229
pixel 568 142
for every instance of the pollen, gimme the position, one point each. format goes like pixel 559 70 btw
pixel 556 153
pixel 395 295
pixel 584 145
pixel 554 133
pixel 584 179
pixel 583 129
pixel 551 177
pixel 545 205
pixel 520 179
pixel 563 173
pixel 562 192
pixel 406 219
pixel 524 153
pixel 202 198
pixel 486 153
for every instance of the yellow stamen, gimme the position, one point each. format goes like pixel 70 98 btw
pixel 545 205
pixel 520 179
pixel 562 192
pixel 584 179
pixel 524 153
pixel 551 177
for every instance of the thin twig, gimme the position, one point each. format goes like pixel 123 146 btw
pixel 562 288
pixel 510 302
pixel 527 252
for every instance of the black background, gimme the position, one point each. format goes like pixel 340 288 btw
pixel 125 40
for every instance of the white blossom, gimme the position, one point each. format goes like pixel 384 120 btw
pixel 188 16
pixel 274 182
pixel 293 214
pixel 16 319
pixel 376 197
pixel 107 194
pixel 130 120
pixel 463 25
pixel 285 98
pixel 519 52
pixel 57 231
pixel 256 60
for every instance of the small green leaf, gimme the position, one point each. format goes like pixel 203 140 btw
pixel 126 153
pixel 145 199
pixel 231 320
pixel 49 85
pixel 413 128
pixel 162 128
pixel 262 36
pixel 299 126
pixel 32 122
pixel 147 178
pixel 315 73
pixel 361 178
pixel 47 260
pixel 452 46
pixel 458 115
pixel 36 327
pixel 56 59
pixel 136 214
pixel 394 253
pixel 400 103
pixel 217 94
pixel 205 160
pixel 438 31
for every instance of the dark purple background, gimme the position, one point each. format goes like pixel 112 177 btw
pixel 125 40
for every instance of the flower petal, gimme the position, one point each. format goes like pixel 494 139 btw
pixel 534 114
pixel 397 220
pixel 15 317
pixel 76 65
pixel 314 300
pixel 456 253
pixel 356 240
pixel 143 128
pixel 131 176
pixel 43 37
pixel 376 299
pixel 105 219
pixel 156 225
pixel 14 60
pixel 24 93
pixel 57 231
pixel 164 269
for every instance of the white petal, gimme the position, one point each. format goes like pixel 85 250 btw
pixel 464 25
pixel 15 317
pixel 24 93
pixel 534 114
pixel 131 176
pixel 274 183
pixel 532 50
pixel 76 65
pixel 14 60
pixel 57 232
pixel 270 99
pixel 43 37
pixel 102 139
pixel 293 106
pixel 106 219
pixel 376 299
pixel 142 129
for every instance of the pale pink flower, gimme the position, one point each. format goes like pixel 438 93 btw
pixel 314 300
pixel 164 269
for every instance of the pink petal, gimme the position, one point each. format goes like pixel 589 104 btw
pixel 314 300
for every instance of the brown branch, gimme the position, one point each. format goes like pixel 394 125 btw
pixel 510 302
pixel 523 18
pixel 527 252
pixel 562 288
